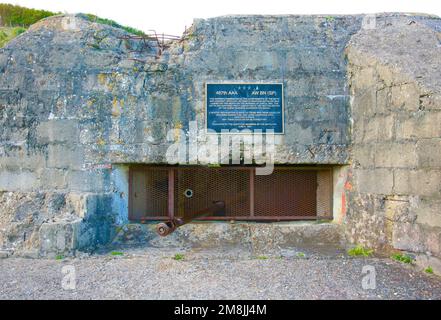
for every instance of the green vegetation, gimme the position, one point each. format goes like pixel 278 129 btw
pixel 116 253
pixel 94 18
pixel 429 270
pixel 300 254
pixel 330 18
pixel 14 20
pixel 9 33
pixel 262 257
pixel 13 16
pixel 178 257
pixel 59 257
pixel 360 251
pixel 404 258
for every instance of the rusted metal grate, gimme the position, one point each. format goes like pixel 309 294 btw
pixel 208 185
pixel 287 194
pixel 149 193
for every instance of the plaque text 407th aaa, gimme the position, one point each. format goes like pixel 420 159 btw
pixel 235 107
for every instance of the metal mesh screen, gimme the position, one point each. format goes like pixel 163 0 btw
pixel 149 188
pixel 157 192
pixel 286 193
pixel 198 188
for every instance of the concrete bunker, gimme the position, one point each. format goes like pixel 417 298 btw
pixel 359 104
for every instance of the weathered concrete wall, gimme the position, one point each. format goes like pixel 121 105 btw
pixel 394 189
pixel 75 98
pixel 260 238
pixel 78 101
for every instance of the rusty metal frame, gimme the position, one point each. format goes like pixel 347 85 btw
pixel 149 40
pixel 171 193
pixel 171 206
pixel 252 194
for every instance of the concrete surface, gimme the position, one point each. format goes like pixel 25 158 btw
pixel 150 273
pixel 258 238
pixel 366 96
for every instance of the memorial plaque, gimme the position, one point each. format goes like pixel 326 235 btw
pixel 239 106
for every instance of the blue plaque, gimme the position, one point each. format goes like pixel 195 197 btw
pixel 239 106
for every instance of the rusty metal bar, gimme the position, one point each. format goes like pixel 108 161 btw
pixel 243 218
pixel 149 36
pixel 151 41
pixel 165 228
pixel 171 193
pixel 264 218
pixel 252 174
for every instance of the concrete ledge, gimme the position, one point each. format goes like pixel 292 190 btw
pixel 259 237
pixel 424 261
pixel 5 254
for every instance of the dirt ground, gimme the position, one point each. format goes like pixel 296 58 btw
pixel 151 273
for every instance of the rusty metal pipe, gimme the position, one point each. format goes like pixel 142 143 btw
pixel 167 227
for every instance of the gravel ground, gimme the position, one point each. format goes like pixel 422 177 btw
pixel 150 273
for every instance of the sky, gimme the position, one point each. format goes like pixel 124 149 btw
pixel 173 16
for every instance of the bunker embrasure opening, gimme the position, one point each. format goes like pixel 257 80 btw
pixel 289 193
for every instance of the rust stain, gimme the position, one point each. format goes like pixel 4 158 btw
pixel 343 204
